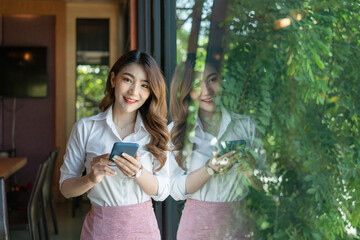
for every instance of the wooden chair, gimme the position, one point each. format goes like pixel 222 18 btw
pixel 4 224
pixel 26 214
pixel 26 211
pixel 36 220
pixel 47 190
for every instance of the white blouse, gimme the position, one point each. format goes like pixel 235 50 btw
pixel 94 136
pixel 228 187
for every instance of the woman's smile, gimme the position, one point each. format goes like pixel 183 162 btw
pixel 208 100
pixel 130 100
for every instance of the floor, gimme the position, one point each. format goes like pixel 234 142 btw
pixel 69 227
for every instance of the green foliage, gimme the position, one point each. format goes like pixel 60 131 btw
pixel 181 50
pixel 300 83
pixel 90 85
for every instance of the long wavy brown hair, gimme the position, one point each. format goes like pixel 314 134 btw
pixel 154 110
pixel 181 87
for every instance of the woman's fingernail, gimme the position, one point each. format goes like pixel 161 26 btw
pixel 123 154
pixel 114 158
pixel 115 173
pixel 113 163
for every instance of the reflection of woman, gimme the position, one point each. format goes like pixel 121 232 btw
pixel 134 110
pixel 212 184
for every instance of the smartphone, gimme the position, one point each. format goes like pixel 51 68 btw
pixel 124 147
pixel 235 145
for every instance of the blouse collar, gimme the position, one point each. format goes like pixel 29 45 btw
pixel 107 115
pixel 225 121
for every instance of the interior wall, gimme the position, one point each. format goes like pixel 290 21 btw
pixel 57 10
pixel 33 117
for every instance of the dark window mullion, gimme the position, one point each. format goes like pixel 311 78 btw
pixel 141 25
pixel 157 31
pixel 148 28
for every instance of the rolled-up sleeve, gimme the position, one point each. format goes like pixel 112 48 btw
pixel 74 158
pixel 177 175
pixel 177 180
pixel 163 177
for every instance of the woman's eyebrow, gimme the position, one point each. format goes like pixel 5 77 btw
pixel 211 74
pixel 126 73
pixel 129 74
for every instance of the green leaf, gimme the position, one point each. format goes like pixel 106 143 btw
pixel 291 69
pixel 311 75
pixel 318 60
pixel 290 59
pixel 311 191
pixel 308 178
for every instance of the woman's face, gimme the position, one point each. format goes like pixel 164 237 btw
pixel 210 84
pixel 132 87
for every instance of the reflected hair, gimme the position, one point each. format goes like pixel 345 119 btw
pixel 181 87
pixel 154 110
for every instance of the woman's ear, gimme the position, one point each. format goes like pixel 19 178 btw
pixel 113 79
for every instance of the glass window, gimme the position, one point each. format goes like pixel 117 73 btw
pixel 92 64
pixel 286 80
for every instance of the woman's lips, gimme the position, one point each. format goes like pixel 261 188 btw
pixel 208 101
pixel 129 100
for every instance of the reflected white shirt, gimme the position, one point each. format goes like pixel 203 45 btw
pixel 94 136
pixel 219 188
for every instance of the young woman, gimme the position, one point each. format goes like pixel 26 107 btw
pixel 211 184
pixel 133 110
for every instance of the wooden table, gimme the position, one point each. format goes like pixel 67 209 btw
pixel 9 166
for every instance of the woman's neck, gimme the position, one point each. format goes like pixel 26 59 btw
pixel 210 121
pixel 123 119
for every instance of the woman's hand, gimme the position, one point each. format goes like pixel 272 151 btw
pixel 224 163
pixel 127 164
pixel 196 179
pixel 130 166
pixel 100 168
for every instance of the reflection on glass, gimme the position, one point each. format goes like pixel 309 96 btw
pixel 291 69
pixel 213 163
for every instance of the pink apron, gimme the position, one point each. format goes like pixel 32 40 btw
pixel 121 222
pixel 212 220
